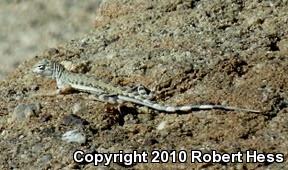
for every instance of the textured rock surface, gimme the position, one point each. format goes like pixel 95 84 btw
pixel 223 52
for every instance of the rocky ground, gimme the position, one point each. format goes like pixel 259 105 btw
pixel 221 52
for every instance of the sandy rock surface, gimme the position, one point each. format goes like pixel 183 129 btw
pixel 221 52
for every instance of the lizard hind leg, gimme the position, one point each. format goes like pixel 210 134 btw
pixel 140 92
pixel 144 92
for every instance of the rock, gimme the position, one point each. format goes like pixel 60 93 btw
pixel 78 108
pixel 74 136
pixel 24 112
pixel 161 125
pixel 37 148
pixel 79 67
pixel 130 119
pixel 45 117
pixel 144 118
pixel 45 159
pixel 72 119
pixel 4 134
pixel 282 44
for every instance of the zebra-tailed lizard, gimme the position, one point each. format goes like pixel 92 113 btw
pixel 111 94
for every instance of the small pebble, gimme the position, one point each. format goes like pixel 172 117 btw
pixel 161 125
pixel 45 117
pixel 130 119
pixel 74 136
pixel 78 108
pixel 34 87
pixel 45 159
pixel 21 137
pixel 4 134
pixel 67 64
pixel 72 119
pixel 37 148
pixel 84 42
pixel 144 118
pixel 24 112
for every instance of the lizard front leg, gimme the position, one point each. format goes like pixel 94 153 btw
pixel 66 89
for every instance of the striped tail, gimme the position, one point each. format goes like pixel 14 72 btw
pixel 184 108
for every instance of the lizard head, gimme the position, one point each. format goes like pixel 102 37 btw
pixel 43 68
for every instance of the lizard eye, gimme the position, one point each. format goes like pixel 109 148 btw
pixel 41 67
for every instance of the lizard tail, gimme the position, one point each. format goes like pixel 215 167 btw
pixel 184 108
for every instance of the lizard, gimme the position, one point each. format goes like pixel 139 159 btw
pixel 106 92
